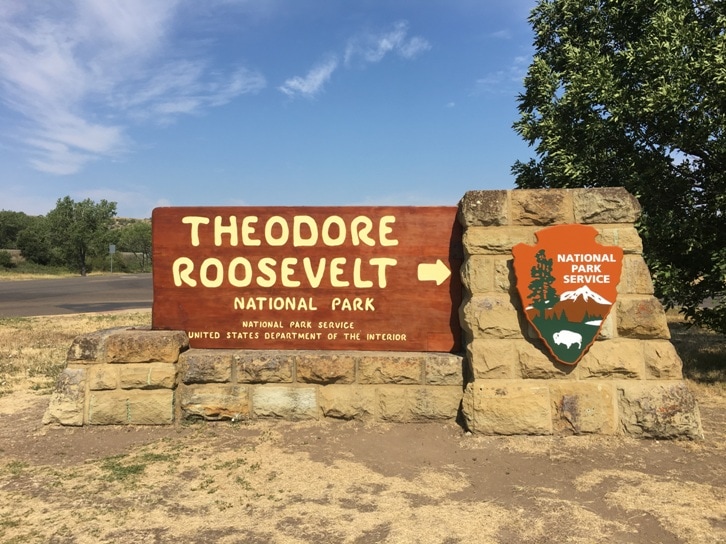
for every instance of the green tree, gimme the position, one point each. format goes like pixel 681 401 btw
pixel 542 293
pixel 633 94
pixel 80 230
pixel 35 244
pixel 11 225
pixel 136 238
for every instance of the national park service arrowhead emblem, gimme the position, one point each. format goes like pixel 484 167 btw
pixel 567 283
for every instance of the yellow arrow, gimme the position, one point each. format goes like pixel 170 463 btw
pixel 438 272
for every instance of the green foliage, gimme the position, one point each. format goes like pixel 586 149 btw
pixel 35 244
pixel 632 94
pixel 6 260
pixel 11 224
pixel 80 230
pixel 136 238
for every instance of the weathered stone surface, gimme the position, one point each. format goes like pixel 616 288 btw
pixel 443 369
pixel 390 367
pixel 264 366
pixel 535 362
pixel 144 346
pixel 477 273
pixel 67 401
pixel 662 361
pixel 490 316
pixel 508 407
pixel 214 402
pixel 347 401
pixel 325 368
pixel 504 280
pixel 405 404
pixel 635 278
pixel 624 236
pixel 206 366
pixel 658 410
pixel 496 240
pixel 147 376
pixel 541 207
pixel 492 358
pixel 131 407
pixel 90 347
pixel 583 407
pixel 102 377
pixel 285 402
pixel 484 208
pixel 605 205
pixel 641 317
pixel 617 358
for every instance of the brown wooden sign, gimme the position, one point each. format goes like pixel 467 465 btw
pixel 360 278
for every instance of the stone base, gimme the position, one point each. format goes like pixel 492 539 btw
pixel 648 409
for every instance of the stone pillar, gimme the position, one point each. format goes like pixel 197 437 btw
pixel 118 377
pixel 629 381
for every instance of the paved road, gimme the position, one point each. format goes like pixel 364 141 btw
pixel 75 295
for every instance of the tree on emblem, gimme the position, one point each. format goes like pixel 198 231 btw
pixel 542 293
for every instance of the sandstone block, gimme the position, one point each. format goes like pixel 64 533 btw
pixel 496 240
pixel 625 237
pixel 407 404
pixel 504 279
pixel 617 358
pixel 662 361
pixel 131 407
pixel 144 346
pixel 147 376
pixel 535 362
pixel 389 367
pixel 658 410
pixel 285 402
pixel 347 401
pixel 206 366
pixel 90 347
pixel 608 328
pixel 477 273
pixel 325 367
pixel 214 402
pixel 264 366
pixel 507 407
pixel 541 207
pixel 605 205
pixel 490 316
pixel 484 208
pixel 66 405
pixel 641 317
pixel 492 358
pixel 443 369
pixel 583 407
pixel 635 279
pixel 103 377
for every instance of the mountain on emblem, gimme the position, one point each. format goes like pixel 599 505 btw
pixel 567 284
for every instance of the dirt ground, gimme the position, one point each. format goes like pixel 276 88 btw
pixel 343 482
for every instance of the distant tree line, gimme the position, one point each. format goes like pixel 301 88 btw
pixel 77 236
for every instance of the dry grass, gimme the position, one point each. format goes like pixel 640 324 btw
pixel 33 349
pixel 324 482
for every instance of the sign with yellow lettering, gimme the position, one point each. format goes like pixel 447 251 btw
pixel 567 283
pixel 349 278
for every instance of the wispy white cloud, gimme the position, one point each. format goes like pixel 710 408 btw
pixel 312 83
pixel 367 48
pixel 373 47
pixel 504 81
pixel 68 66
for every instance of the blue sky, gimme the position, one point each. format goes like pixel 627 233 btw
pixel 258 102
